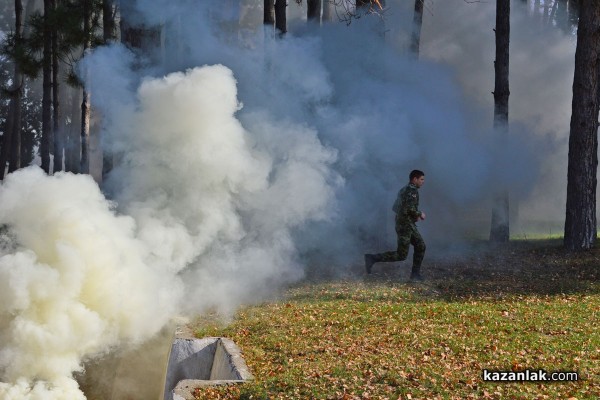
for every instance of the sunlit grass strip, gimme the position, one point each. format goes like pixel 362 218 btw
pixel 354 340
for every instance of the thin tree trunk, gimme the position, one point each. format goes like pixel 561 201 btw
pixel 17 95
pixel 11 148
pixel 281 17
pixel 58 134
pixel 580 221
pixel 553 11
pixel 108 21
pixel 313 11
pixel 110 35
pixel 73 134
pixel 416 28
pixel 27 145
pixel 15 157
pixel 327 11
pixel 499 231
pixel 7 139
pixel 85 103
pixel 269 15
pixel 24 137
pixel 47 90
pixel 84 167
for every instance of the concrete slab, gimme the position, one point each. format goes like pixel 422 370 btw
pixel 200 362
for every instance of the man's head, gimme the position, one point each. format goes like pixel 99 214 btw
pixel 417 177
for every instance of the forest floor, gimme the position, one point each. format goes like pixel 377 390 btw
pixel 526 305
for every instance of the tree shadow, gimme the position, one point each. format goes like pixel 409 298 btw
pixel 486 271
pixel 522 267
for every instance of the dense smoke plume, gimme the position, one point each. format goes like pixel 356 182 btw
pixel 244 160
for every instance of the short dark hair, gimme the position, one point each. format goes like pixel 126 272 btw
pixel 415 173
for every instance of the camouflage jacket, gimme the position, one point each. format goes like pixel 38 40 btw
pixel 406 205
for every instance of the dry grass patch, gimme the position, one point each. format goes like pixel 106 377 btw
pixel 377 338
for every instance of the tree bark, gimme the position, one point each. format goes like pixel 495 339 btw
pixel 313 11
pixel 108 21
pixel 269 17
pixel 16 110
pixel 110 36
pixel 47 90
pixel 85 103
pixel 281 17
pixel 327 11
pixel 416 28
pixel 5 153
pixel 73 134
pixel 500 231
pixel 84 166
pixel 58 135
pixel 16 107
pixel 580 221
pixel 11 147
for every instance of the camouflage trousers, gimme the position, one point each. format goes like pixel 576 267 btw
pixel 407 235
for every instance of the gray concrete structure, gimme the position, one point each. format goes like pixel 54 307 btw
pixel 202 362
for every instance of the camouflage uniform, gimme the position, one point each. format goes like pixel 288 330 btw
pixel 407 212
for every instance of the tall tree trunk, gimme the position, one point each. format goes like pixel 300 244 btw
pixel 416 28
pixel 108 21
pixel 562 16
pixel 15 154
pixel 580 222
pixel 17 95
pixel 73 134
pixel 269 16
pixel 499 231
pixel 84 166
pixel 313 11
pixel 281 17
pixel 12 131
pixel 327 11
pixel 110 35
pixel 25 137
pixel 85 103
pixel 47 89
pixel 58 134
pixel 5 153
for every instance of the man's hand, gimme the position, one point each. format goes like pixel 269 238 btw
pixel 422 216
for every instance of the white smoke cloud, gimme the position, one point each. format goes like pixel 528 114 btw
pixel 74 283
pixel 200 200
pixel 204 189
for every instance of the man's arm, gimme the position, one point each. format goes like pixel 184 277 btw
pixel 410 205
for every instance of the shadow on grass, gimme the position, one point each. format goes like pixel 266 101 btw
pixel 520 267
pixel 532 267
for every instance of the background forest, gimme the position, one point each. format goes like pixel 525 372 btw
pixel 191 156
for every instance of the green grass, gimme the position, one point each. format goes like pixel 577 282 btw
pixel 524 305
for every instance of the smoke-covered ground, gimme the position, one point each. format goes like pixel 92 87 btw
pixel 245 161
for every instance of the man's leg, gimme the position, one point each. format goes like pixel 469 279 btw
pixel 419 245
pixel 404 238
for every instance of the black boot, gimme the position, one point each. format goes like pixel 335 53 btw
pixel 370 259
pixel 415 274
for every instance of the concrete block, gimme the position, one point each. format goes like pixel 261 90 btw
pixel 202 362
